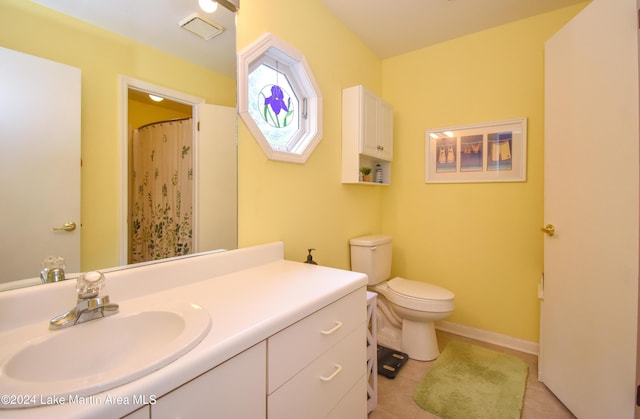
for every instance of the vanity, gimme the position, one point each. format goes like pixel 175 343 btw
pixel 281 339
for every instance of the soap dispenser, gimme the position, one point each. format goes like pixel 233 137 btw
pixel 310 258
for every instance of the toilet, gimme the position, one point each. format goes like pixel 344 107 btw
pixel 406 309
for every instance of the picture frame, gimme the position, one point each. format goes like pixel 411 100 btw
pixel 486 152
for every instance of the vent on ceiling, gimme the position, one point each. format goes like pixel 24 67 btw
pixel 205 29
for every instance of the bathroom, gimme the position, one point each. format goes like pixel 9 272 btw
pixel 481 241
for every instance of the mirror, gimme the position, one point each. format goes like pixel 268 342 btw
pixel 102 57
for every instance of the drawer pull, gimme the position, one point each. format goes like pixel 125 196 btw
pixel 330 331
pixel 332 376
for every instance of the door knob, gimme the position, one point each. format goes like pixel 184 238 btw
pixel 549 229
pixel 68 226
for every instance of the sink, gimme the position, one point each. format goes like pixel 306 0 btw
pixel 92 357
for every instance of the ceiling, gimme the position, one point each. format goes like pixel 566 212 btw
pixel 389 28
pixel 156 24
pixel 395 27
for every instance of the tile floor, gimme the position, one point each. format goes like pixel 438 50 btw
pixel 395 397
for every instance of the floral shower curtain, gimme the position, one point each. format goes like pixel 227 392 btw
pixel 162 201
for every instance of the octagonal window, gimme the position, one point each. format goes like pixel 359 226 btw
pixel 279 100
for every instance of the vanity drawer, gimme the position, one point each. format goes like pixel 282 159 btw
pixel 319 388
pixel 290 350
pixel 351 405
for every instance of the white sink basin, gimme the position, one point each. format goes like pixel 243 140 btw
pixel 98 355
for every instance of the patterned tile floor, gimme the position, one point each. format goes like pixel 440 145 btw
pixel 395 397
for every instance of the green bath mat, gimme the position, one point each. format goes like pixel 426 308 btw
pixel 469 382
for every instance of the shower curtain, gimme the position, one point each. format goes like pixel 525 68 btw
pixel 162 198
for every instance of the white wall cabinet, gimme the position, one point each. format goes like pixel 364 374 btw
pixel 367 134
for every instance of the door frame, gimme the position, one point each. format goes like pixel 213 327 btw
pixel 126 83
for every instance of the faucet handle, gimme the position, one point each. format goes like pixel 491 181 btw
pixel 90 284
pixel 52 269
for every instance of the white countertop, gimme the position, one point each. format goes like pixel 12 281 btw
pixel 246 306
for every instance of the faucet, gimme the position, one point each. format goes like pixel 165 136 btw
pixel 91 304
pixel 52 269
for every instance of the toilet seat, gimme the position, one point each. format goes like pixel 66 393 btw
pixel 419 296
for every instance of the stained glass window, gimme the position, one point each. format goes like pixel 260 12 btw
pixel 278 99
pixel 274 106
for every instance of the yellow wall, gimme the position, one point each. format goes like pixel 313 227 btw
pixel 306 205
pixel 482 241
pixel 102 56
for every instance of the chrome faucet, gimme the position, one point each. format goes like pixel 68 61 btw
pixel 91 304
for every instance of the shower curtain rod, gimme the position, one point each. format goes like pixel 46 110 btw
pixel 161 122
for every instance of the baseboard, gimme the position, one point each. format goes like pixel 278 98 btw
pixel 489 337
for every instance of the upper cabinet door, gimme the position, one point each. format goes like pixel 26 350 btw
pixel 376 117
pixel 369 117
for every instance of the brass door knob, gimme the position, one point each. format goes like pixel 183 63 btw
pixel 68 226
pixel 549 229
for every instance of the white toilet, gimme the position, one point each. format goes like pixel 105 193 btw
pixel 407 309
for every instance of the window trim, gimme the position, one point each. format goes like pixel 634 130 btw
pixel 301 77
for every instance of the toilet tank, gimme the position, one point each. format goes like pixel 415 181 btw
pixel 371 255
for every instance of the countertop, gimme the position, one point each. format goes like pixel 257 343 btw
pixel 246 307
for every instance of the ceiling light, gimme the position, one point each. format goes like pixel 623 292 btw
pixel 156 98
pixel 208 6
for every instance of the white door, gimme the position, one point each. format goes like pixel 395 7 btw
pixel 217 195
pixel 590 296
pixel 39 163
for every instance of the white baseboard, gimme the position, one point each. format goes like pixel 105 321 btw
pixel 489 337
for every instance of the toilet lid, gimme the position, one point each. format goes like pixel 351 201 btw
pixel 419 289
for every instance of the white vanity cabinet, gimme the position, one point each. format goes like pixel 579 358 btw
pixel 317 366
pixel 287 339
pixel 314 368
pixel 234 389
pixel 367 134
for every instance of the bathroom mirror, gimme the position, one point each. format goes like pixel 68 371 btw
pixel 19 12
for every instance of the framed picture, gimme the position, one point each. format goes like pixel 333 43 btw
pixel 487 152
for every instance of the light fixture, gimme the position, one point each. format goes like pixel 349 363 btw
pixel 208 6
pixel 200 26
pixel 443 134
pixel 156 98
